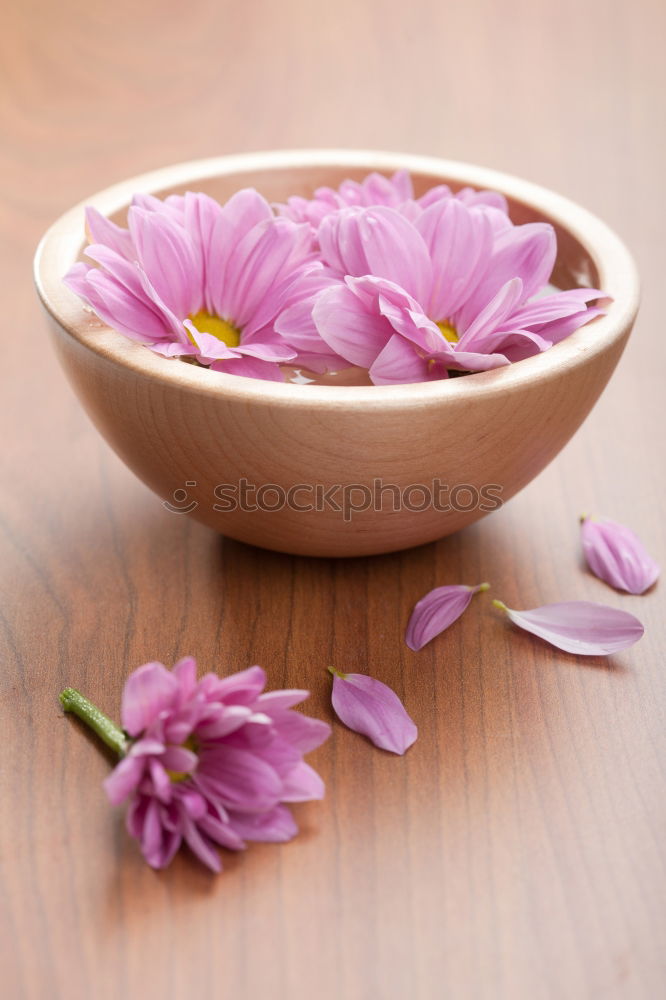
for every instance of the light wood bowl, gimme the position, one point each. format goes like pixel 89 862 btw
pixel 176 424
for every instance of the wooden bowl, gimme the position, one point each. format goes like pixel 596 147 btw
pixel 186 431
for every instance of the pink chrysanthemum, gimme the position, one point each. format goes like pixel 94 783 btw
pixel 376 189
pixel 213 761
pixel 191 277
pixel 454 289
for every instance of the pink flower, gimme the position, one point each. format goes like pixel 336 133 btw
pixel 370 707
pixel 212 762
pixel 194 278
pixel 375 189
pixel 450 290
pixel 434 613
pixel 580 627
pixel 617 556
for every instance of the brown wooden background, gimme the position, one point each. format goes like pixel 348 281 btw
pixel 518 850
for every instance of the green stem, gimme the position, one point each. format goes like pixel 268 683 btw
pixel 73 701
pixel 336 673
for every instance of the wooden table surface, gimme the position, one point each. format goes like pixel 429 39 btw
pixel 518 849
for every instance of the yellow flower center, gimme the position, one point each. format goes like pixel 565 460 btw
pixel 189 744
pixel 205 322
pixel 447 331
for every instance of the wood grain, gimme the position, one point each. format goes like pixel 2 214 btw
pixel 518 849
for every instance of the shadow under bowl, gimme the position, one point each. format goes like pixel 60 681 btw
pixel 188 432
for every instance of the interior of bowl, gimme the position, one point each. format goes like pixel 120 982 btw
pixel 589 255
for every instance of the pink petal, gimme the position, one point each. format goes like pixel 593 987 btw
pixel 222 720
pixel 377 241
pixel 558 329
pixel 218 828
pixel 460 243
pixel 185 672
pixel 302 784
pixel 173 205
pixel 281 699
pixel 241 688
pixel 239 778
pixel 135 316
pixel 436 611
pixel 300 731
pixel 148 691
pixel 168 258
pixel 493 315
pixel 403 313
pixel 473 361
pixel 179 759
pixel 260 271
pixel 124 779
pixel 200 846
pixel 295 324
pixel 617 556
pixel 239 216
pixel 369 707
pixel 277 352
pixel 249 368
pixel 490 199
pixel 276 826
pixel 380 190
pixel 152 835
pixel 549 308
pixel 208 347
pixel 350 325
pixel 526 252
pixel 399 364
pixel 102 230
pixel 245 210
pixel 580 627
pixel 514 345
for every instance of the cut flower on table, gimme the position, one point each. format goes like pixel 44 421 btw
pixel 209 763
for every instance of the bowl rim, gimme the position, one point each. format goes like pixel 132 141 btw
pixel 618 277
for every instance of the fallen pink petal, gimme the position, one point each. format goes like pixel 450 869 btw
pixel 439 608
pixel 580 627
pixel 373 709
pixel 617 556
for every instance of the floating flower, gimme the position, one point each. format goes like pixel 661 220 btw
pixel 193 278
pixel 617 556
pixel 376 189
pixel 209 762
pixel 369 707
pixel 581 627
pixel 448 291
pixel 436 611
